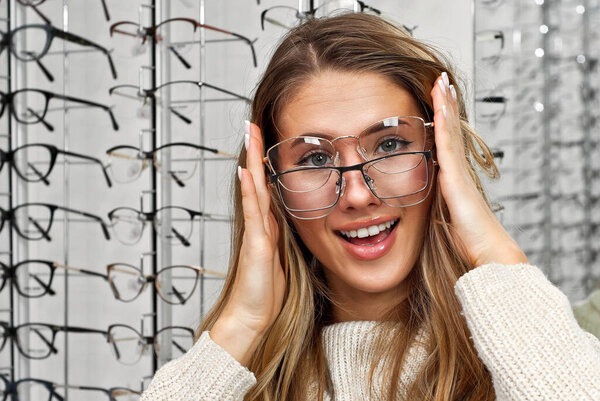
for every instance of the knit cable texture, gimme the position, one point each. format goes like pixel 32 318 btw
pixel 525 333
pixel 522 327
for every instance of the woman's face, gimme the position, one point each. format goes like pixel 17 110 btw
pixel 337 104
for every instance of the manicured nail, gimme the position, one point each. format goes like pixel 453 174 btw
pixel 246 134
pixel 442 86
pixel 240 173
pixel 445 78
pixel 453 91
pixel 444 110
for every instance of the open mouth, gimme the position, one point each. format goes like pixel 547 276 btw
pixel 369 236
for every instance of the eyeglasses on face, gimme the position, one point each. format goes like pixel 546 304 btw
pixel 34 162
pixel 179 97
pixel 308 175
pixel 173 223
pixel 36 340
pixel 178 160
pixel 33 278
pixel 37 389
pixel 29 106
pixel 33 221
pixel 174 284
pixel 185 26
pixel 32 42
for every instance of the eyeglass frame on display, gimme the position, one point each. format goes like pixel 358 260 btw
pixel 153 278
pixel 51 33
pixel 7 99
pixel 8 157
pixel 11 332
pixel 8 215
pixel 151 31
pixel 11 388
pixel 150 155
pixel 150 217
pixel 12 274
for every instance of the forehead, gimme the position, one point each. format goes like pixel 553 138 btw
pixel 342 103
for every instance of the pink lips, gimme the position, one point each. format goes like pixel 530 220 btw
pixel 371 248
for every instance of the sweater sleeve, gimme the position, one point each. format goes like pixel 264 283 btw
pixel 524 331
pixel 206 372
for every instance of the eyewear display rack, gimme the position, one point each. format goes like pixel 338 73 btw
pixel 74 294
pixel 536 84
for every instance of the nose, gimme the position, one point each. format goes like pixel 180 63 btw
pixel 355 194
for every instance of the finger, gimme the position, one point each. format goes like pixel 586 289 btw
pixel 447 142
pixel 253 217
pixel 255 165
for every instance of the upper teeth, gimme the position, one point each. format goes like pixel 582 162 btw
pixel 368 231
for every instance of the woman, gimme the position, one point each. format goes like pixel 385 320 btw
pixel 350 237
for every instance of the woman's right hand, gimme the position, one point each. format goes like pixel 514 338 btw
pixel 257 293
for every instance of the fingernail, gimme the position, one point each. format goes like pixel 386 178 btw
pixel 240 173
pixel 442 86
pixel 445 78
pixel 444 110
pixel 453 91
pixel 246 133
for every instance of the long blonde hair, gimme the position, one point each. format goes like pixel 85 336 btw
pixel 291 354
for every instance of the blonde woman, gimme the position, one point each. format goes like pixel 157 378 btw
pixel 366 262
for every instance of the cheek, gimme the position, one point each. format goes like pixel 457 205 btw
pixel 312 233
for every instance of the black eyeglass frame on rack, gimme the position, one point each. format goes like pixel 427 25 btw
pixel 11 273
pixel 53 152
pixel 11 389
pixel 6 40
pixel 9 215
pixel 7 101
pixel 109 334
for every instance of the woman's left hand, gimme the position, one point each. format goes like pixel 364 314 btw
pixel 474 225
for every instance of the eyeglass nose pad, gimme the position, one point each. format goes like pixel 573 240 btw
pixel 370 182
pixel 341 187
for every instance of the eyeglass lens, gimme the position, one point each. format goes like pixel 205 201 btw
pixel 35 341
pixel 308 184
pixel 33 278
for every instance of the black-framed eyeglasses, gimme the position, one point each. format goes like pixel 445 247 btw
pixel 491 107
pixel 30 105
pixel 398 160
pixel 184 26
pixel 36 340
pixel 174 284
pixel 38 389
pixel 33 278
pixel 180 97
pixel 33 221
pixel 173 223
pixel 34 162
pixel 32 42
pixel 178 160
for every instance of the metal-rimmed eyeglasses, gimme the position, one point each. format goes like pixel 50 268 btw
pixel 398 159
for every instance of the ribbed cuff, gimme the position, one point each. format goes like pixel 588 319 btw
pixel 524 331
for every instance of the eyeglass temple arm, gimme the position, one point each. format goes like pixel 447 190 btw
pixel 201 83
pixel 82 156
pixel 105 9
pixel 84 271
pixel 193 145
pixel 40 14
pixel 202 270
pixel 76 329
pixel 85 42
pixel 237 35
pixel 89 103
pixel 89 215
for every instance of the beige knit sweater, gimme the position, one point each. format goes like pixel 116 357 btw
pixel 522 327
